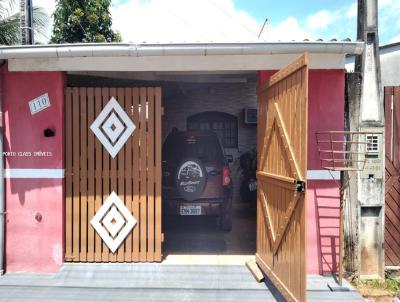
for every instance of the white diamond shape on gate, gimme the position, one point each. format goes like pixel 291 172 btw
pixel 113 222
pixel 113 127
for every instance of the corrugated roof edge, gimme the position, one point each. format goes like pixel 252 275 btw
pixel 189 49
pixel 384 48
pixel 389 45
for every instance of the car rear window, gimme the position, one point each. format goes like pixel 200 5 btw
pixel 204 147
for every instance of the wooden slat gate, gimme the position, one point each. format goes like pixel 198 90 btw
pixel 392 166
pixel 134 174
pixel 281 175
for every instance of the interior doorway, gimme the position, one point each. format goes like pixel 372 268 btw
pixel 207 120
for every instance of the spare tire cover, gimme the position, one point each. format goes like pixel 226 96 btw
pixel 190 179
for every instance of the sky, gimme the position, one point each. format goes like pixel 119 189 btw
pixel 184 21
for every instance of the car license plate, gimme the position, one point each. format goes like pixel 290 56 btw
pixel 190 210
pixel 253 186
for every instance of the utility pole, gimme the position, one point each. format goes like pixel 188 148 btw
pixel 371 181
pixel 26 10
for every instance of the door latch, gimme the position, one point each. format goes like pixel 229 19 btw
pixel 300 186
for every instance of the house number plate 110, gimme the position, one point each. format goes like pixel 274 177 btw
pixel 40 103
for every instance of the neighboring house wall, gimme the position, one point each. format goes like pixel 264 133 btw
pixel 34 206
pixel 390 65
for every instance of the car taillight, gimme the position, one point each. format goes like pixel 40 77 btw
pixel 226 176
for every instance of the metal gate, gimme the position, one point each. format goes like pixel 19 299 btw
pixel 113 174
pixel 392 166
pixel 281 175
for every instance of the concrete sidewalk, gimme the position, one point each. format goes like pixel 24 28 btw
pixel 154 282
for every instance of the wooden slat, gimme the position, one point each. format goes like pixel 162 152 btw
pixel 121 174
pixel 68 175
pixel 276 182
pixel 388 120
pixel 158 143
pixel 128 174
pixel 83 175
pixel 106 175
pixel 90 174
pixel 293 162
pixel 98 175
pixel 270 224
pixel 279 177
pixel 113 176
pixel 302 147
pixel 112 257
pixel 255 270
pixel 396 127
pixel 136 175
pixel 76 160
pixel 150 175
pixel 143 174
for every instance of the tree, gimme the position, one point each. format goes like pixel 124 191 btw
pixel 83 21
pixel 10 32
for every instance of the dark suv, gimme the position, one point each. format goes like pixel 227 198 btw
pixel 196 176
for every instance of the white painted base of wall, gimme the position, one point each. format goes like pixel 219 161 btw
pixel 34 173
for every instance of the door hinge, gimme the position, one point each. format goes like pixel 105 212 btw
pixel 300 186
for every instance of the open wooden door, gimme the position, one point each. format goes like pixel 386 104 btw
pixel 281 176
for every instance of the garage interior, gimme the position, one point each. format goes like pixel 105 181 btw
pixel 225 103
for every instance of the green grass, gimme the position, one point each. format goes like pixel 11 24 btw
pixel 390 284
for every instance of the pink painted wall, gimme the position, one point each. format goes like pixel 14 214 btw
pixel 325 112
pixel 33 245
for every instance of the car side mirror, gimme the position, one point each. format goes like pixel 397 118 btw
pixel 229 158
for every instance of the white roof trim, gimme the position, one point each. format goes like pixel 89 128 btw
pixel 207 49
pixel 176 57
pixel 175 63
